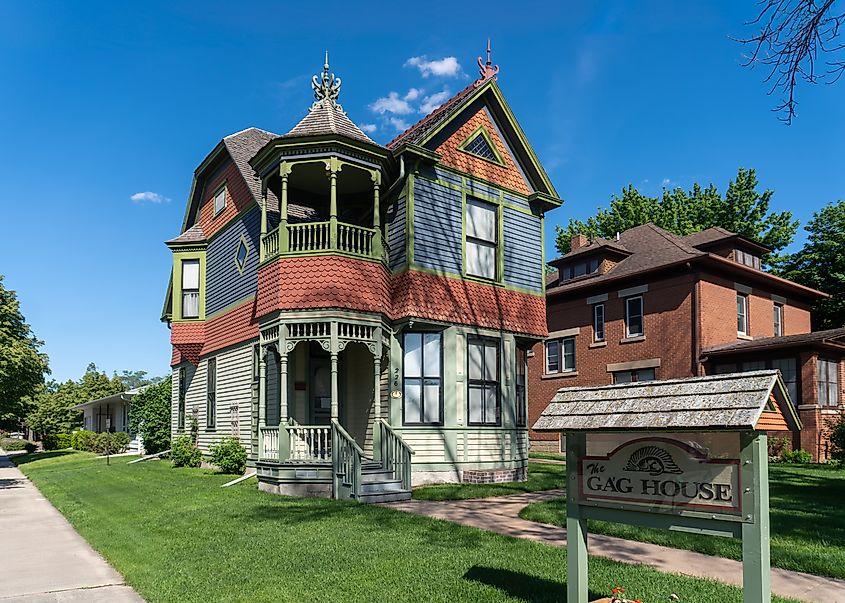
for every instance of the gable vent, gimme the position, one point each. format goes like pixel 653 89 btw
pixel 479 146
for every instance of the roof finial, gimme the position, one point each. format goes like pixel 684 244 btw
pixel 326 86
pixel 487 70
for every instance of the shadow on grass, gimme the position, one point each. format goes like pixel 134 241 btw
pixel 39 456
pixel 521 586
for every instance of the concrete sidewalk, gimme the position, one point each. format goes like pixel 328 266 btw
pixel 501 515
pixel 43 558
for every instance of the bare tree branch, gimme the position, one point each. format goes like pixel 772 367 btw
pixel 793 35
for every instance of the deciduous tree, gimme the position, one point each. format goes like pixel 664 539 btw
pixel 149 416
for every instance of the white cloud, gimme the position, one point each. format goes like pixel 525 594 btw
pixel 665 182
pixel 400 124
pixel 150 197
pixel 391 104
pixel 413 94
pixel 430 103
pixel 445 67
pixel 368 128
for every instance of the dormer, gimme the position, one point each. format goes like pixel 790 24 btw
pixel 730 245
pixel 589 258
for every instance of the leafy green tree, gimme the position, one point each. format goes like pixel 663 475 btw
pixel 821 264
pixel 149 416
pixel 135 379
pixel 743 210
pixel 22 365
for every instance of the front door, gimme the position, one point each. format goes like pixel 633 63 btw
pixel 321 391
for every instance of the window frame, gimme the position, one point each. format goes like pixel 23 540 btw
pixel 743 297
pixel 184 262
pixel 483 383
pixel 777 319
pixel 628 300
pixel 561 343
pixel 422 379
pixel 825 382
pixel 596 338
pixel 521 389
pixel 183 394
pixel 211 393
pixel 493 244
pixel 220 193
pixel 256 362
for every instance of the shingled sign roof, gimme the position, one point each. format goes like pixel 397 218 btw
pixel 716 402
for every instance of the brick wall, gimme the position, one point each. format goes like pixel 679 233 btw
pixel 494 476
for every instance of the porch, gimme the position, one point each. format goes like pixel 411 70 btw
pixel 110 414
pixel 322 428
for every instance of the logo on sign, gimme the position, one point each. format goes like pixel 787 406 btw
pixel 660 472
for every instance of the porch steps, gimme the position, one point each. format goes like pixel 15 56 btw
pixel 379 485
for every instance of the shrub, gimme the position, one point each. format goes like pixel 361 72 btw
pixel 229 456
pixel 101 443
pixel 796 456
pixel 149 416
pixel 183 452
pixel 778 445
pixel 57 441
pixel 14 444
pixel 837 440
pixel 83 440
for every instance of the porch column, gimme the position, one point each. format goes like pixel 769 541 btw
pixel 378 247
pixel 263 207
pixel 333 167
pixel 262 398
pixel 335 414
pixel 284 439
pixel 377 405
pixel 284 171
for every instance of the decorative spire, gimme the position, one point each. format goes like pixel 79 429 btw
pixel 326 87
pixel 487 70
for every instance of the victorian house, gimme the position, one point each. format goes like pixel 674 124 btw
pixel 358 315
pixel 653 305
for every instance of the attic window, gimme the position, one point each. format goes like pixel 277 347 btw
pixel 479 146
pixel 241 255
pixel 220 201
pixel 749 259
pixel 579 269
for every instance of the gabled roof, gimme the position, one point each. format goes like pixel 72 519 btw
pixel 242 146
pixel 830 337
pixel 596 244
pixel 715 402
pixel 327 118
pixel 417 132
pixel 193 235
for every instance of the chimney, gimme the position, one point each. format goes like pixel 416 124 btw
pixel 579 241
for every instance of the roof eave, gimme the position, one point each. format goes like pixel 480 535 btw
pixel 787 284
pixel 265 157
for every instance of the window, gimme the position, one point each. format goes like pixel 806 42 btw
pixel 211 401
pixel 828 373
pixel 560 355
pixel 633 376
pixel 190 288
pixel 256 362
pixel 483 384
pixel 183 390
pixel 521 390
pixel 777 316
pixel 634 316
pixel 481 230
pixel 749 259
pixel 579 269
pixel 479 146
pixel 598 322
pixel 241 254
pixel 741 314
pixel 423 378
pixel 220 201
pixel 789 371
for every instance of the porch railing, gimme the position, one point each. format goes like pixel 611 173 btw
pixel 320 237
pixel 269 443
pixel 395 454
pixel 310 443
pixel 346 463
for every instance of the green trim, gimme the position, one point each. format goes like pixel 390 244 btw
pixel 178 257
pixel 500 236
pixel 482 130
pixel 409 219
pixel 479 195
pixel 463 191
pixel 418 151
pixel 265 157
pixel 482 281
pixel 238 266
pixel 543 253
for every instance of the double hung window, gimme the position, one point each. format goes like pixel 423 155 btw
pixel 828 380
pixel 521 410
pixel 741 314
pixel 211 390
pixel 777 318
pixel 183 391
pixel 483 383
pixel 220 201
pixel 560 355
pixel 190 288
pixel 481 239
pixel 634 316
pixel 423 378
pixel 598 322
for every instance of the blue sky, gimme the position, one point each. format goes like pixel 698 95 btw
pixel 100 101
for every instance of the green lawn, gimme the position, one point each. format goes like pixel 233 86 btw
pixel 549 456
pixel 541 476
pixel 176 535
pixel 807 522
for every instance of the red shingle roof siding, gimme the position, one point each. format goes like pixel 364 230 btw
pixel 233 327
pixel 238 197
pixel 300 283
pixel 423 295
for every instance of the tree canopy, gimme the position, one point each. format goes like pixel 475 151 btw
pixel 821 264
pixel 743 210
pixel 22 364
pixel 149 415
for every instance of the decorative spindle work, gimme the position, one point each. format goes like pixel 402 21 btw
pixel 327 87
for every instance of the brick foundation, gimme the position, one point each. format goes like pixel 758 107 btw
pixel 494 476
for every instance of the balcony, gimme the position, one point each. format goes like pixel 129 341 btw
pixel 322 237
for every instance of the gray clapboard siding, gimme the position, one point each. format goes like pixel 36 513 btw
pixel 437 226
pixel 447 176
pixel 517 201
pixel 224 282
pixel 477 188
pixel 396 234
pixel 523 250
pixel 234 391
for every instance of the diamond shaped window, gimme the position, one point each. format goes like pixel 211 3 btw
pixel 241 255
pixel 479 146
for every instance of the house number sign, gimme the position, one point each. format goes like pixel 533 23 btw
pixel 663 474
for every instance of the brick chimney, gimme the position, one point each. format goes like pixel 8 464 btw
pixel 579 241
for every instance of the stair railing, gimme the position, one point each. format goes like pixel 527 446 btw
pixel 346 463
pixel 395 454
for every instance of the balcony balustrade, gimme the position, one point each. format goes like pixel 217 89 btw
pixel 322 237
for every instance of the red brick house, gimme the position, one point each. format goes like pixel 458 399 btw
pixel 654 305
